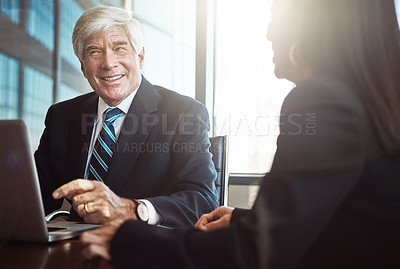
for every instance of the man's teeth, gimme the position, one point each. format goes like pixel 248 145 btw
pixel 112 78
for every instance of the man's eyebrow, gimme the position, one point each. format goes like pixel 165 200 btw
pixel 120 42
pixel 90 47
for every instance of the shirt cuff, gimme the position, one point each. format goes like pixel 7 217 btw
pixel 154 217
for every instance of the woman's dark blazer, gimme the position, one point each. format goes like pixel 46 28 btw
pixel 331 199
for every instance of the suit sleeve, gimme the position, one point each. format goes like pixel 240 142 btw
pixel 192 189
pixel 145 246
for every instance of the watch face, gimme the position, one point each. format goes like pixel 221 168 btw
pixel 143 212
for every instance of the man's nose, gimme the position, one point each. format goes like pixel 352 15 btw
pixel 109 60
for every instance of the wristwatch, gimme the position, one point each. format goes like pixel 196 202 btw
pixel 142 211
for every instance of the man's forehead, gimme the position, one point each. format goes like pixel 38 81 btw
pixel 114 35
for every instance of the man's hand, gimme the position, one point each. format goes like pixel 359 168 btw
pixel 95 202
pixel 219 218
pixel 98 241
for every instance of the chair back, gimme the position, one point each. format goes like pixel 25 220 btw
pixel 219 150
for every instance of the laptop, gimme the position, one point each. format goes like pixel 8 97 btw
pixel 21 209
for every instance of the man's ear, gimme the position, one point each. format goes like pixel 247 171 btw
pixel 141 57
pixel 83 69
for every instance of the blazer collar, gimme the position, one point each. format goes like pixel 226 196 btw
pixel 147 96
pixel 79 134
pixel 133 135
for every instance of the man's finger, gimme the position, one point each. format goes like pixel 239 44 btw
pixel 83 209
pixel 94 212
pixel 73 188
pixel 95 218
pixel 86 197
pixel 80 209
pixel 101 207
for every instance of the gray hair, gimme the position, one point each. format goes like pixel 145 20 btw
pixel 99 19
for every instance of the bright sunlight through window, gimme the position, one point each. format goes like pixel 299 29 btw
pixel 248 95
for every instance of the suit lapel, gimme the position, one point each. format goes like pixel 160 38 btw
pixel 133 134
pixel 80 131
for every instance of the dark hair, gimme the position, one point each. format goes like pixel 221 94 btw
pixel 359 41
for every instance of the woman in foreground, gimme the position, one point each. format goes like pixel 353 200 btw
pixel 332 197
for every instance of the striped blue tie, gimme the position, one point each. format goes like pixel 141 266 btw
pixel 105 146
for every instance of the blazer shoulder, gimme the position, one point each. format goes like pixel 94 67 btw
pixel 323 119
pixel 74 105
pixel 172 98
pixel 70 108
pixel 76 101
pixel 323 90
pixel 154 97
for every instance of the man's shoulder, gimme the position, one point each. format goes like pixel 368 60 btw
pixel 174 99
pixel 166 99
pixel 76 101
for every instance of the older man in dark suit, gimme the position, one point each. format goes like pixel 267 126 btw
pixel 145 147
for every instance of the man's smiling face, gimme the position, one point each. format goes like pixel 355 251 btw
pixel 111 65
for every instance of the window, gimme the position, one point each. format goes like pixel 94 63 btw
pixel 248 96
pixel 10 8
pixel 66 92
pixel 70 13
pixel 41 22
pixel 38 96
pixel 169 28
pixel 8 87
pixel 116 3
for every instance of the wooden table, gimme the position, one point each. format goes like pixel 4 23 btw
pixel 59 255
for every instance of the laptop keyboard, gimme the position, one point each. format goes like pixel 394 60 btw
pixel 52 229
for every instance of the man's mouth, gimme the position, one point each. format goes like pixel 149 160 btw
pixel 112 78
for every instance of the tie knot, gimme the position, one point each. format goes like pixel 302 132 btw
pixel 113 113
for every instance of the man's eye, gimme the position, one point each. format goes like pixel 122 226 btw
pixel 94 52
pixel 120 49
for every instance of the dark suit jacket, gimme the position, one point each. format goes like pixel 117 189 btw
pixel 161 154
pixel 331 199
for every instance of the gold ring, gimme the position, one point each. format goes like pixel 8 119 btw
pixel 85 208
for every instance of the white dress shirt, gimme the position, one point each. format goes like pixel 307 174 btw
pixel 154 217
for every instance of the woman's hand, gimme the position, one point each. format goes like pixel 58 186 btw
pixel 219 218
pixel 98 241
